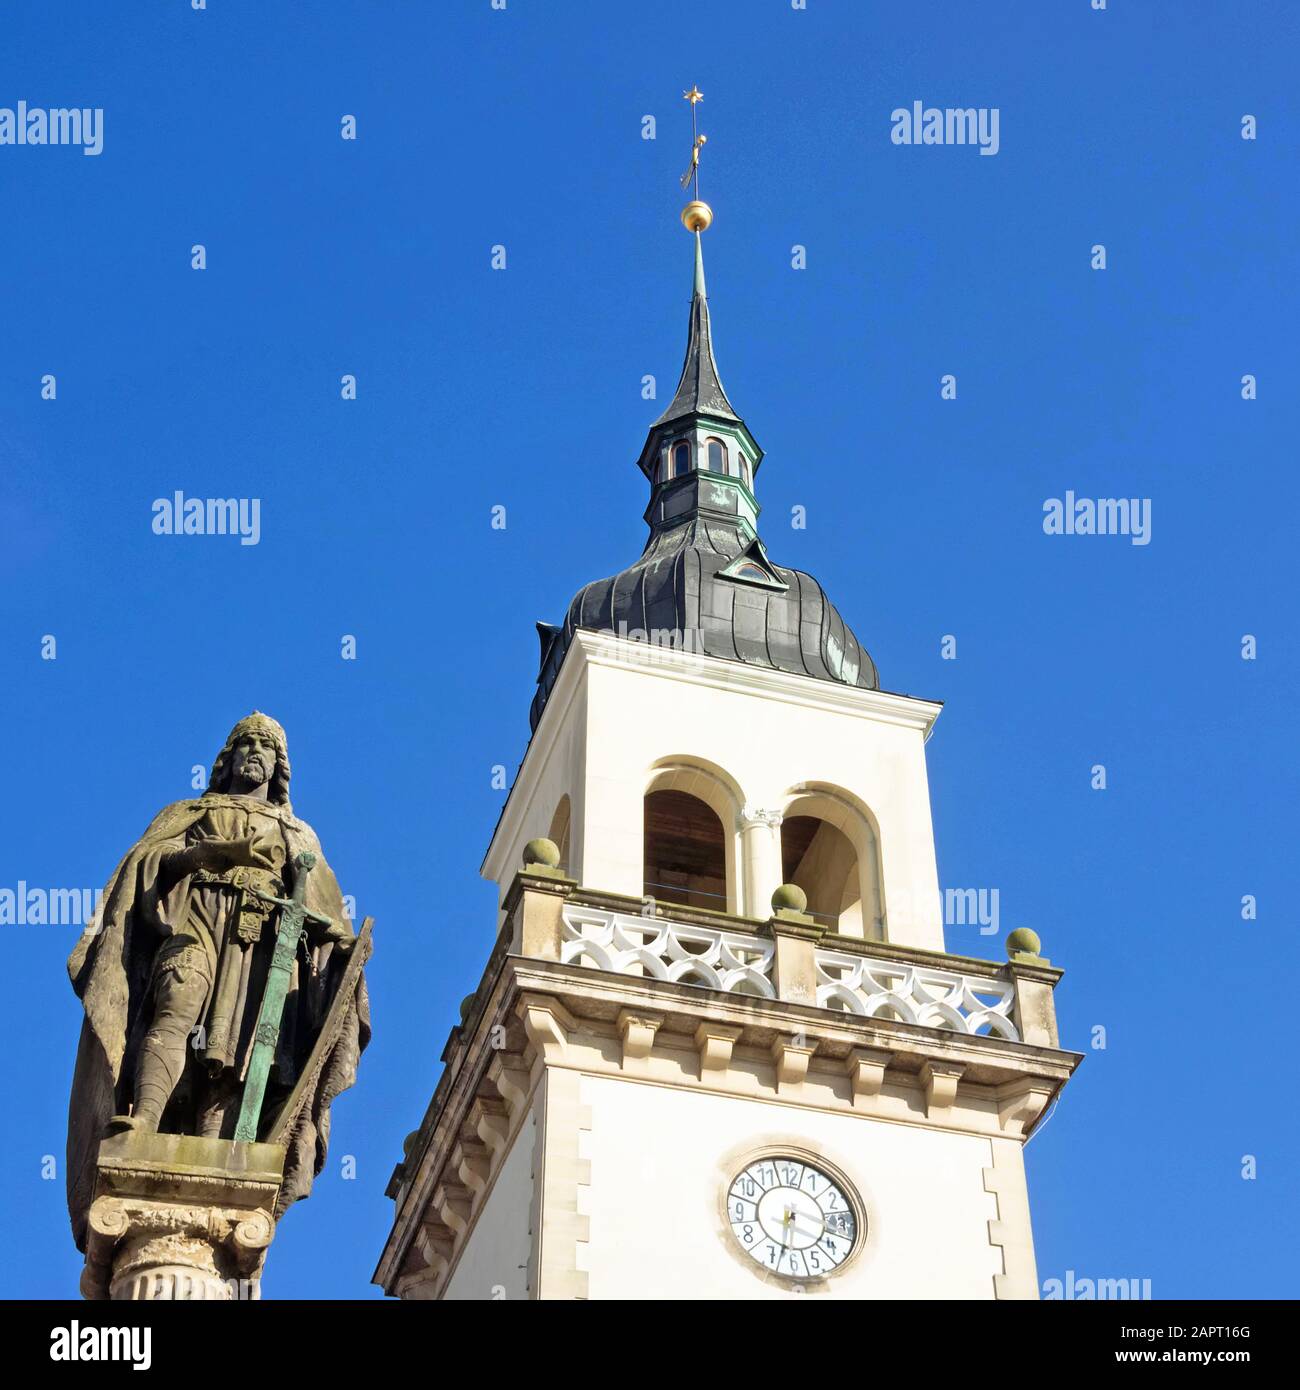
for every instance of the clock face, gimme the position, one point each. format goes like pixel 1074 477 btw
pixel 791 1218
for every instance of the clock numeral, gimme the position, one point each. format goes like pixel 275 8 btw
pixel 841 1222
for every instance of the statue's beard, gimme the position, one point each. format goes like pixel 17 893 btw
pixel 254 772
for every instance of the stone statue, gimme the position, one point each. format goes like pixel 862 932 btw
pixel 174 969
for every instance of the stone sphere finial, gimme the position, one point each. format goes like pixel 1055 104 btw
pixel 789 896
pixel 543 852
pixel 467 1006
pixel 1023 942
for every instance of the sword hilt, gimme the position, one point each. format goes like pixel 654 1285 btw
pixel 304 862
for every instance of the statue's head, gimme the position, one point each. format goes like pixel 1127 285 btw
pixel 255 753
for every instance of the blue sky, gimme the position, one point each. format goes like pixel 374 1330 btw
pixel 522 388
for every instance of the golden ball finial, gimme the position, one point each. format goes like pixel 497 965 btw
pixel 697 216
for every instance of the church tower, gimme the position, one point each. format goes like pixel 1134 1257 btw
pixel 719 1049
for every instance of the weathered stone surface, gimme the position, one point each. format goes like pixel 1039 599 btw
pixel 178 1217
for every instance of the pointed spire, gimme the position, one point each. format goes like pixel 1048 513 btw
pixel 699 392
pixel 699 398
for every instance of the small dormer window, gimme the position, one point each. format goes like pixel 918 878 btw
pixel 715 456
pixel 681 459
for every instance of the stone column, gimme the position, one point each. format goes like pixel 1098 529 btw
pixel 176 1217
pixel 760 838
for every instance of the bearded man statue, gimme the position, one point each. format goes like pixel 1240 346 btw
pixel 173 966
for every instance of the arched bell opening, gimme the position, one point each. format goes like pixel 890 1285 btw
pixel 820 859
pixel 685 851
pixel 831 848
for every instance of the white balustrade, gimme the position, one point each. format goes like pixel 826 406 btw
pixel 915 994
pixel 738 962
pixel 735 962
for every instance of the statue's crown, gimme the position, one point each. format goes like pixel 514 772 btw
pixel 258 723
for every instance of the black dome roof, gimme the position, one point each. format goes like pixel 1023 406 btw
pixel 685 591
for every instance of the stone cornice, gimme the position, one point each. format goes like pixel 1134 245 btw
pixel 1045 974
pixel 597 995
pixel 882 706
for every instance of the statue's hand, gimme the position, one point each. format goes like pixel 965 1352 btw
pixel 340 935
pixel 219 855
pixel 259 850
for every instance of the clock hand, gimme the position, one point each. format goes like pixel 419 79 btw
pixel 806 1224
pixel 786 1222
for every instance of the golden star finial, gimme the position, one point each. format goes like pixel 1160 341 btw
pixel 693 95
